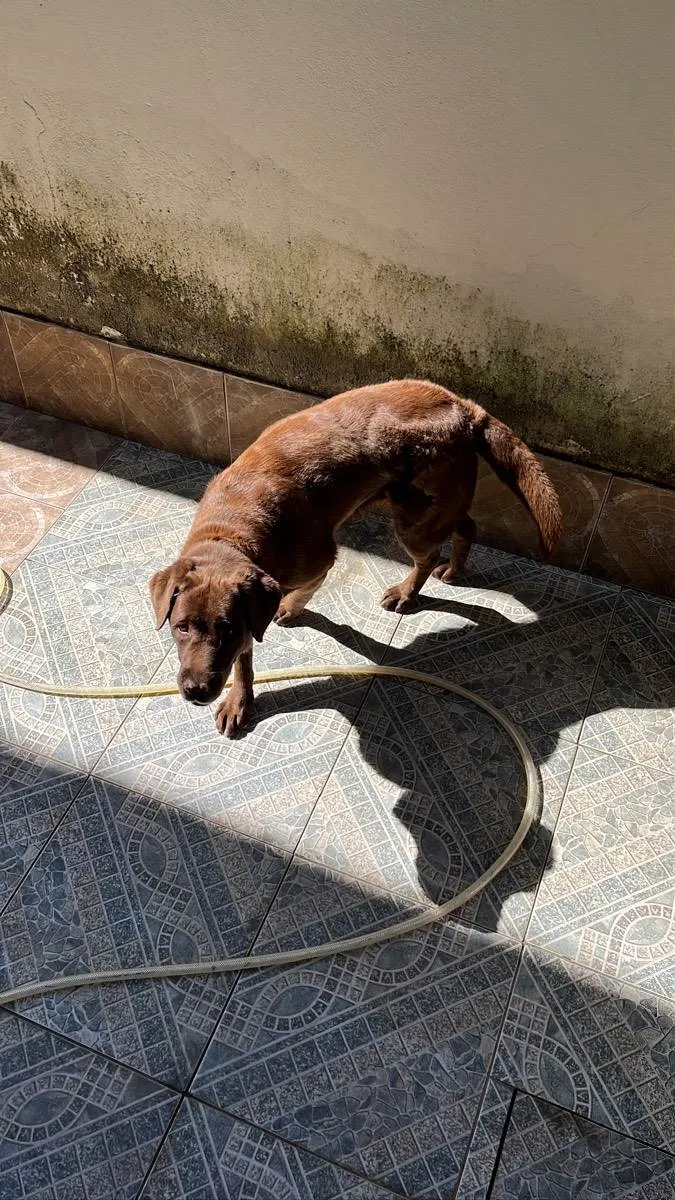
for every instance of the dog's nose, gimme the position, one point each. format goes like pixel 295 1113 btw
pixel 196 693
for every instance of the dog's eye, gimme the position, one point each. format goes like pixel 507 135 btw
pixel 181 626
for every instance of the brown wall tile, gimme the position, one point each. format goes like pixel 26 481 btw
pixel 10 380
pixel 634 542
pixel 65 373
pixel 171 404
pixel 504 522
pixel 253 406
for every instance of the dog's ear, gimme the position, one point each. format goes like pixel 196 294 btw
pixel 164 587
pixel 263 594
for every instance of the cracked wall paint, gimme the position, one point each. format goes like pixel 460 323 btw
pixel 477 198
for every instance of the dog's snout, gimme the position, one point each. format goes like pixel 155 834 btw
pixel 196 693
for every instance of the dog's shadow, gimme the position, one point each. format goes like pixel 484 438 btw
pixel 457 781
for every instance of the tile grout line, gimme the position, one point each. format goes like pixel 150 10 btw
pixel 568 781
pixel 594 530
pixel 291 860
pixel 162 1141
pixel 46 843
pixel 491 1065
pixel 278 1137
pixel 500 1146
pixel 15 359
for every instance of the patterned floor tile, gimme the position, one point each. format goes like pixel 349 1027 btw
pixel 608 900
pixel 632 709
pixel 486 1139
pixel 73 1126
pixel 376 1060
pixel 42 458
pixel 424 796
pixel 604 1050
pixel 263 784
pixel 74 618
pixel 127 882
pixel 550 1154
pixel 159 470
pixel 527 637
pixel 24 523
pixel 34 795
pixel 208 1154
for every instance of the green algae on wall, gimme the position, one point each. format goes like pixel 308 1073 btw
pixel 289 326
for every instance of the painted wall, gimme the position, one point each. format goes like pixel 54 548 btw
pixel 319 194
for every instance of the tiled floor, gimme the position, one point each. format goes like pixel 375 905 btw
pixel 524 1049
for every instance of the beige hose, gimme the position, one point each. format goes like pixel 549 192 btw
pixel 286 957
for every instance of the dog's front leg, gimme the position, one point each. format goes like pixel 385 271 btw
pixel 236 711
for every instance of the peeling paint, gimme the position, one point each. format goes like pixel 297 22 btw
pixel 292 314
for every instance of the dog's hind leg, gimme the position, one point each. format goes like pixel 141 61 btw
pixel 463 536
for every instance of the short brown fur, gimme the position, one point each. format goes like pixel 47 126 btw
pixel 263 538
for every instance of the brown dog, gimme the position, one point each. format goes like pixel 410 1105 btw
pixel 263 538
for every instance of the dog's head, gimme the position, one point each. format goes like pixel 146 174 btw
pixel 214 608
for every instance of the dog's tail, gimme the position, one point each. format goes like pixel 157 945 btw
pixel 517 467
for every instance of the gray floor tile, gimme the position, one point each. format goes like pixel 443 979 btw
pixel 608 900
pixel 127 882
pixel 479 1164
pixel 528 638
pixel 208 1154
pixel 73 1126
pixel 35 644
pixel 34 795
pixel 375 1060
pixel 632 710
pixel 159 470
pixel 605 1051
pixel 263 784
pixel 550 1154
pixel 424 796
pixel 81 614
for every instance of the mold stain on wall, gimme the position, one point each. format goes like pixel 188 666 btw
pixel 316 316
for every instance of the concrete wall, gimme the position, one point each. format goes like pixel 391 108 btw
pixel 318 194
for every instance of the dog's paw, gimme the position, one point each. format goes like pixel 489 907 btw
pixel 284 617
pixel 234 714
pixel 395 600
pixel 446 573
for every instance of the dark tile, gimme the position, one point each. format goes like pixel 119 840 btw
pixel 608 900
pixel 551 1154
pixel 123 882
pixel 252 407
pixel 24 523
pixel 208 1154
pixel 45 459
pixel 173 405
pixel 73 1126
pixel 34 795
pixel 634 542
pixel 603 1050
pixel 374 1060
pixel 11 390
pixel 505 523
pixel 66 374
